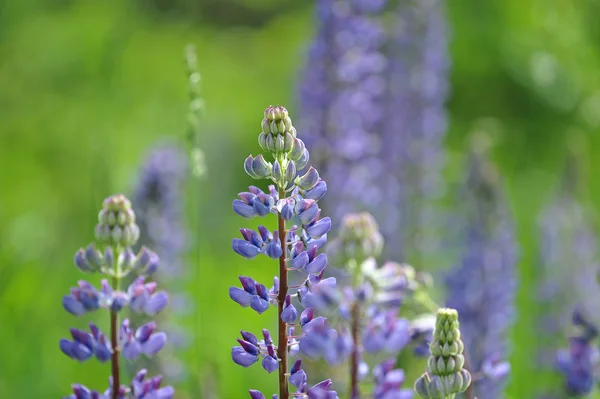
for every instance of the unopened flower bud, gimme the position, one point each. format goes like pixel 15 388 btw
pixel 445 365
pixel 260 167
pixel 288 142
pixel 277 172
pixel 290 172
pixel 117 223
pixel 303 160
pixel 297 149
pixel 279 143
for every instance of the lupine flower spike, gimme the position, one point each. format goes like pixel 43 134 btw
pixel 567 236
pixel 488 256
pixel 445 376
pixel 369 305
pixel 158 208
pixel 291 196
pixel 372 104
pixel 116 233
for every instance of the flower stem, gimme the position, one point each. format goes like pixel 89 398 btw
pixel 282 326
pixel 354 389
pixel 114 323
pixel 114 328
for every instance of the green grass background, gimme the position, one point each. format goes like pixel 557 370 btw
pixel 87 86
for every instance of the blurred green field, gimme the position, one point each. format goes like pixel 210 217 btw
pixel 86 87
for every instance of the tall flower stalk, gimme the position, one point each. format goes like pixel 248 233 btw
pixel 158 197
pixel 482 285
pixel 569 297
pixel 372 101
pixel 116 233
pixel 291 196
pixel 369 300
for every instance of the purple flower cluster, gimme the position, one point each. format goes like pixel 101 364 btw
pixel 141 388
pixel 116 233
pixel 369 306
pixel 568 238
pixel 292 197
pixel 482 286
pixel 373 104
pixel 158 205
pixel 579 362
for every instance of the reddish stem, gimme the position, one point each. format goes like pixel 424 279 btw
pixel 354 389
pixel 116 375
pixel 283 289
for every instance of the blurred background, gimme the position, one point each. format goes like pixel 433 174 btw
pixel 88 87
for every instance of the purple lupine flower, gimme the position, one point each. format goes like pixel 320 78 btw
pixel 368 303
pixel 158 194
pixel 298 379
pixel 117 232
pixel 293 196
pixel 253 294
pixel 567 237
pixel 482 286
pixel 579 362
pixel 140 388
pixel 373 102
pixel 389 382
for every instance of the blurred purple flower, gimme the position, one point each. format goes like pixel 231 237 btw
pixel 482 286
pixel 372 105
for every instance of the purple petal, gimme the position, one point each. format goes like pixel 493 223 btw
pixel 270 364
pixel 244 248
pixel 242 358
pixel 75 350
pixel 289 314
pixel 254 394
pixel 320 228
pixel 131 350
pixel 243 209
pixel 258 304
pixel 317 265
pixel 154 344
pixel 249 337
pixel 248 284
pixel 300 261
pixel 298 378
pixel 317 192
pixel 72 305
pixel 273 249
pixel 240 296
pixel 156 303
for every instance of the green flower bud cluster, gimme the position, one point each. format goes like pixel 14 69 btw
pixel 359 238
pixel 278 137
pixel 277 134
pixel 445 376
pixel 116 223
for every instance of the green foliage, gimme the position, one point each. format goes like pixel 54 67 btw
pixel 86 86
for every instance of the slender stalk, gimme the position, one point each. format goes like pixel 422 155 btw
pixel 354 388
pixel 282 340
pixel 114 326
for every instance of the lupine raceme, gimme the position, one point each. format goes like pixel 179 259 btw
pixel 292 196
pixel 445 376
pixel 368 299
pixel 113 257
pixel 488 255
pixel 159 213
